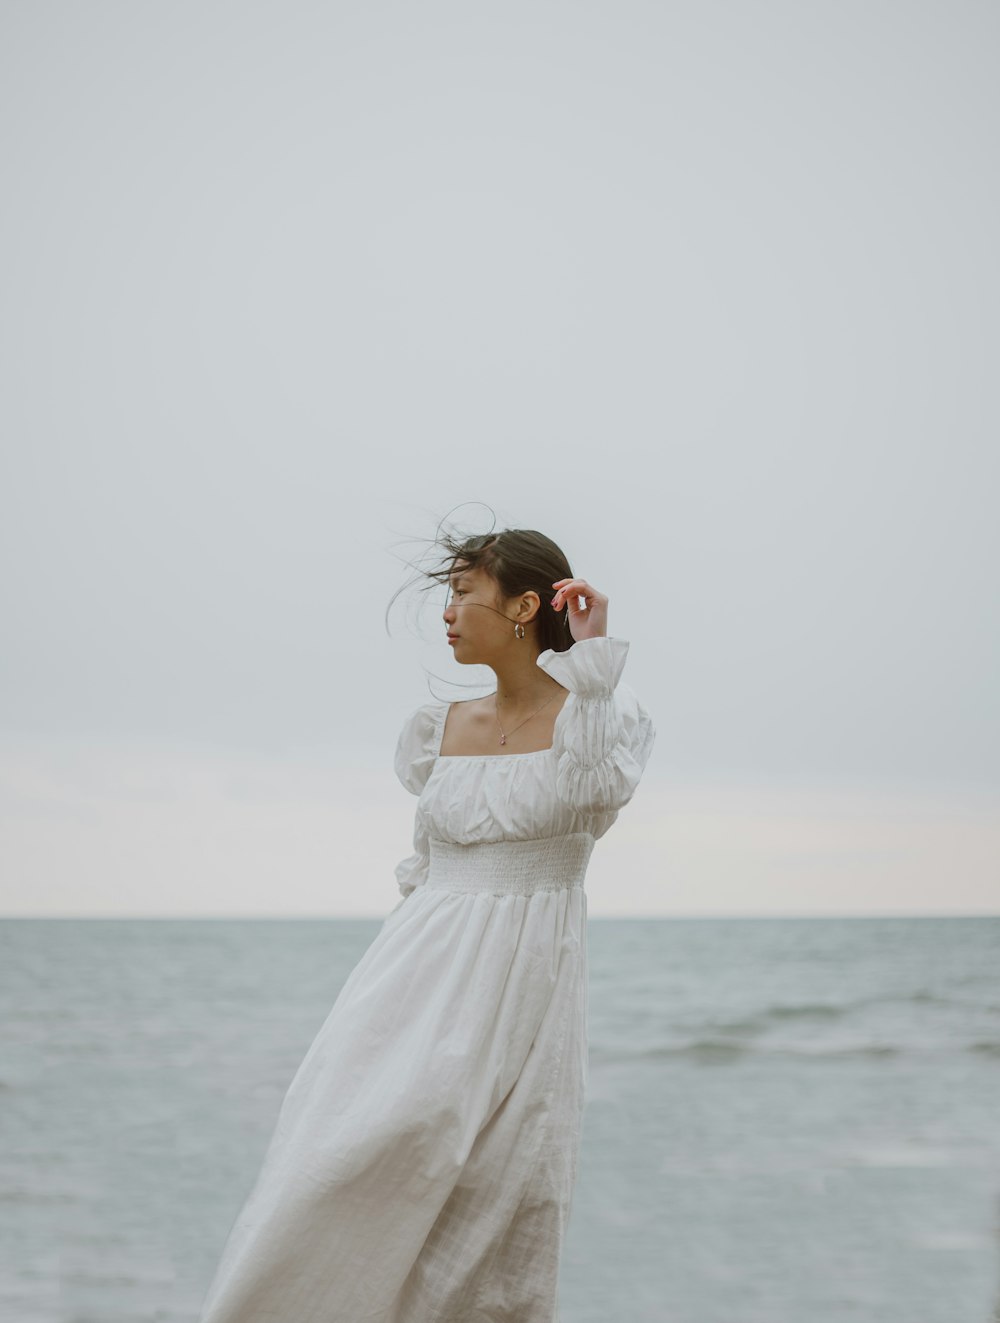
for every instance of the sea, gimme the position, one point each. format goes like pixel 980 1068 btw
pixel 787 1119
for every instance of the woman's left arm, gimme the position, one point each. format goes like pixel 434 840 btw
pixel 603 736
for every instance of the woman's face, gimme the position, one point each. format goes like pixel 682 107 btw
pixel 474 617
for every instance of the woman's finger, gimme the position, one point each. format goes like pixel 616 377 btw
pixel 574 587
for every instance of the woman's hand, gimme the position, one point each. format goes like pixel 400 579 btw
pixel 589 621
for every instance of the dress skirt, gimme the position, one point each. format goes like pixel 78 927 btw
pixel 424 1159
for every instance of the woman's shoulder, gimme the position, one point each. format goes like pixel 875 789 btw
pixel 417 745
pixel 423 723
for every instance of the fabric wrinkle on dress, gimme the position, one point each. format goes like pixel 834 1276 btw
pixel 424 1158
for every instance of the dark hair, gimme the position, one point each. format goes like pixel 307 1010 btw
pixel 519 560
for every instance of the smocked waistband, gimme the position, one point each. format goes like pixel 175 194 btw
pixel 510 867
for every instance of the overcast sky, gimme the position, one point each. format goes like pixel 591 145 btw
pixel 706 293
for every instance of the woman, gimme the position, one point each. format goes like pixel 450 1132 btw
pixel 425 1154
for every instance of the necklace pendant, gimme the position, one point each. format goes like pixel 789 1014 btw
pixel 503 739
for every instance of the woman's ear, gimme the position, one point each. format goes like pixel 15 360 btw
pixel 528 605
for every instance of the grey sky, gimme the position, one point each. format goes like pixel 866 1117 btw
pixel 708 294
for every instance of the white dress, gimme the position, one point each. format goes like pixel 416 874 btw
pixel 425 1154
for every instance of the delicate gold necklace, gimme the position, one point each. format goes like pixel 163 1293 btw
pixel 503 737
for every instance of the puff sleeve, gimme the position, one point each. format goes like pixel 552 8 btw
pixel 416 750
pixel 603 736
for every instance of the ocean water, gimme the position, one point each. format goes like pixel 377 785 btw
pixel 787 1120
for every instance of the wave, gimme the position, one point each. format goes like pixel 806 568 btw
pixel 723 1049
pixel 21 1196
pixel 762 1020
pixel 808 1011
pixel 784 1013
pixel 985 1049
pixel 826 1011
pixel 712 1049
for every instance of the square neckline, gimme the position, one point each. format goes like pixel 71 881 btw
pixel 461 757
pixel 445 707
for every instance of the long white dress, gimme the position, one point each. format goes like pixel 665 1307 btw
pixel 425 1154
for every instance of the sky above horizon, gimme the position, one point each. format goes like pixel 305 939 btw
pixel 706 295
